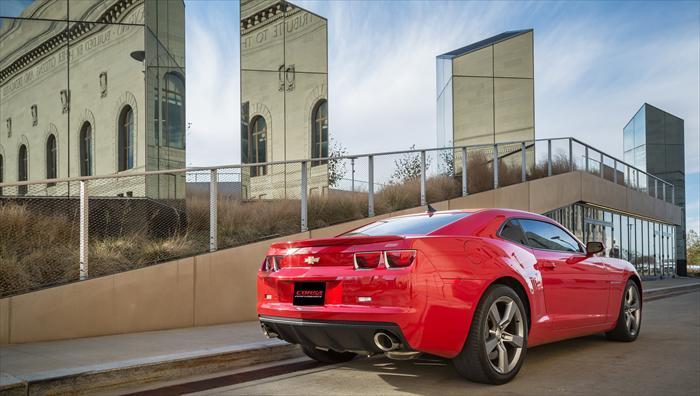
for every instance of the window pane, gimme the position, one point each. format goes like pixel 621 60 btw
pixel 51 157
pixel 86 150
pixel 513 232
pixel 628 136
pixel 22 173
pixel 173 111
pixel 624 238
pixel 412 225
pixel 638 244
pixel 640 129
pixel 541 235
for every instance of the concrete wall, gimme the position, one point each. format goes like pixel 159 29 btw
pixel 220 287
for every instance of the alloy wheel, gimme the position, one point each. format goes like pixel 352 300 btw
pixel 504 334
pixel 632 310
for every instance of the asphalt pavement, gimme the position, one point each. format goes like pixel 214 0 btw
pixel 665 360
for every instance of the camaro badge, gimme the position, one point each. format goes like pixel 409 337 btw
pixel 312 260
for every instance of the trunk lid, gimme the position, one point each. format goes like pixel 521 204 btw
pixel 331 252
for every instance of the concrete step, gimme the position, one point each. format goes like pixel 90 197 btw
pixel 98 379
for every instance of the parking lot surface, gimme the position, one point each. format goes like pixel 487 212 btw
pixel 665 360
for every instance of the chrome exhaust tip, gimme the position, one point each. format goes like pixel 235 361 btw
pixel 386 342
pixel 269 333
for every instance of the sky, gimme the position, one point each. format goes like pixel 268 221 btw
pixel 596 63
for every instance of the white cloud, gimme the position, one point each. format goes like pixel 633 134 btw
pixel 213 98
pixel 382 69
pixel 606 76
pixel 594 67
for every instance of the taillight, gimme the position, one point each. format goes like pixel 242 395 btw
pixel 277 262
pixel 400 258
pixel 272 263
pixel 368 260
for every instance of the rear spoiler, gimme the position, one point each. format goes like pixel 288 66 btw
pixel 337 241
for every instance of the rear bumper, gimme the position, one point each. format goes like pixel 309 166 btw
pixel 337 335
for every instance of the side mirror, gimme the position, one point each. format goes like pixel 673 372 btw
pixel 594 247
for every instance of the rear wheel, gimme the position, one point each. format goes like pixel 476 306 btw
pixel 629 320
pixel 328 356
pixel 497 342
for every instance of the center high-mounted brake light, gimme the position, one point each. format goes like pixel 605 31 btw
pixel 399 258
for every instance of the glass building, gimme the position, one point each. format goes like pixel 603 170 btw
pixel 486 95
pixel 93 88
pixel 654 143
pixel 284 97
pixel 485 91
pixel 649 245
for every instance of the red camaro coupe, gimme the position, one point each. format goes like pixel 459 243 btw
pixel 476 286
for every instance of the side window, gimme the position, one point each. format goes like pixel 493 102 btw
pixel 513 232
pixel 542 235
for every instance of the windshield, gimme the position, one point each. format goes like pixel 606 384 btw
pixel 411 225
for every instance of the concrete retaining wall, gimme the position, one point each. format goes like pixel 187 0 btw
pixel 220 287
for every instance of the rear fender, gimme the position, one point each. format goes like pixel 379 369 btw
pixel 467 267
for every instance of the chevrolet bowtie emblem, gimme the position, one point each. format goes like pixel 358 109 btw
pixel 311 260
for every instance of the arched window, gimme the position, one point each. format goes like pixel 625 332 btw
pixel 257 148
pixel 51 158
pixel 319 132
pixel 173 111
pixel 126 139
pixel 22 168
pixel 86 149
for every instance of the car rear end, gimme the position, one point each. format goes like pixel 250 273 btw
pixel 359 292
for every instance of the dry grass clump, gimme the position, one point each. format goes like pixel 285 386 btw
pixel 113 255
pixel 397 196
pixel 40 250
pixel 337 207
pixel 242 222
pixel 560 164
pixel 35 250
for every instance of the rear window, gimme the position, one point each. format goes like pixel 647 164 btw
pixel 411 225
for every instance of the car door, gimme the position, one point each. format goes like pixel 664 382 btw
pixel 575 286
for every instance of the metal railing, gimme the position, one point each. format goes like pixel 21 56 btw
pixel 133 219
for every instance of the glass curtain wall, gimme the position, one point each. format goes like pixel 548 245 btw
pixel 647 244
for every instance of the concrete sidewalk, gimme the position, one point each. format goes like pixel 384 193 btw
pixel 102 363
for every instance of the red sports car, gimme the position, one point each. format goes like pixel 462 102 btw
pixel 476 286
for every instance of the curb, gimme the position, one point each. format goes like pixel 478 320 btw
pixel 104 378
pixel 11 385
pixel 663 292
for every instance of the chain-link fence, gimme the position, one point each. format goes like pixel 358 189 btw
pixel 59 231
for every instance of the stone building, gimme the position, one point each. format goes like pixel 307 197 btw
pixel 92 88
pixel 284 98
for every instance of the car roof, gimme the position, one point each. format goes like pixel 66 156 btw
pixel 494 211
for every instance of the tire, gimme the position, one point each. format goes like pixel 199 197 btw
pixel 629 320
pixel 329 356
pixel 488 364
